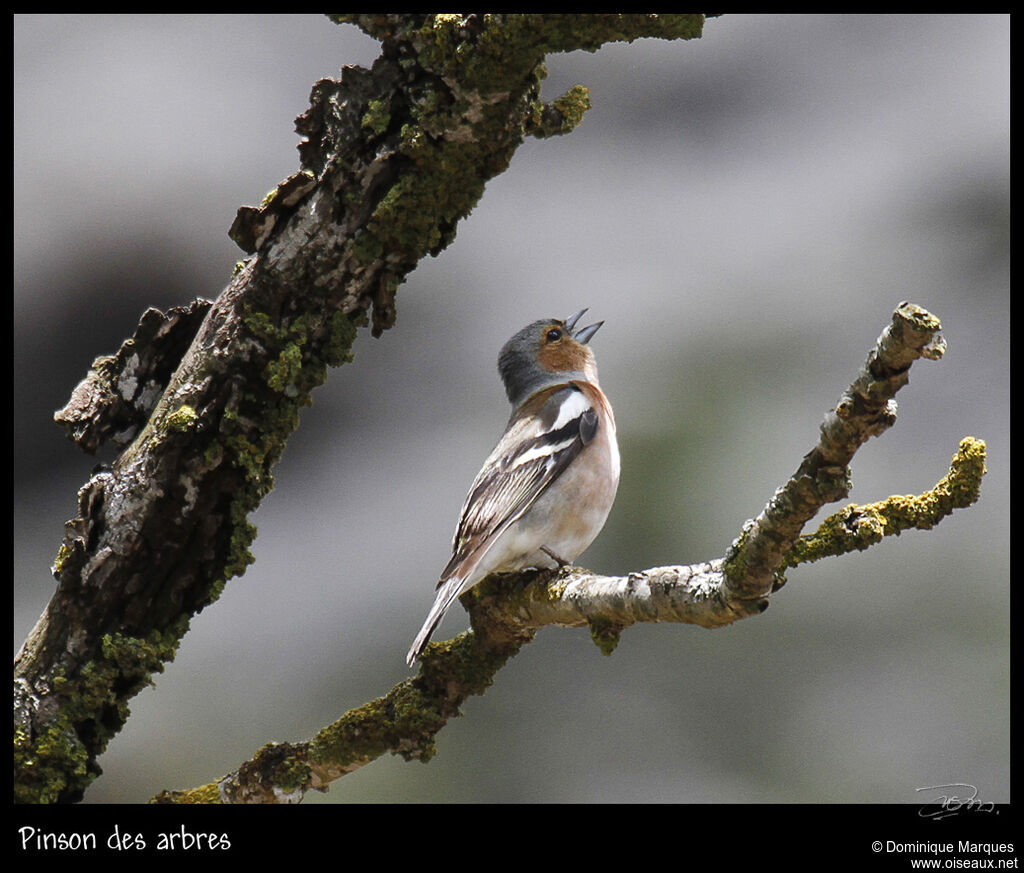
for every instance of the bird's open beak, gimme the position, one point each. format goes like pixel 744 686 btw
pixel 584 334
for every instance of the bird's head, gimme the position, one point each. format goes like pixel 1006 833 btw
pixel 545 353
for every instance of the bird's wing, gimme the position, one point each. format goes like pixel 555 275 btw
pixel 542 440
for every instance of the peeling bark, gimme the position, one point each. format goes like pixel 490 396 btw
pixel 393 158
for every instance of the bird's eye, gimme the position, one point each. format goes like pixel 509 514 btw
pixel 553 335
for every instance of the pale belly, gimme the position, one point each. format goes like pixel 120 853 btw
pixel 565 519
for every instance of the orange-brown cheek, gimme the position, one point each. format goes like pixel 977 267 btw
pixel 563 356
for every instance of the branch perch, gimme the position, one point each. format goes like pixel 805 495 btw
pixel 204 399
pixel 507 610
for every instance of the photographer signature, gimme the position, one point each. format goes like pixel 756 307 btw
pixel 952 799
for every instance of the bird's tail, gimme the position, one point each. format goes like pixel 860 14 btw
pixel 445 596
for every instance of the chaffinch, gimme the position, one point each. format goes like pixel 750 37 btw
pixel 545 491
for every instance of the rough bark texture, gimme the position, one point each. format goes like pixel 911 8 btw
pixel 506 611
pixel 393 158
pixel 205 397
pixel 866 409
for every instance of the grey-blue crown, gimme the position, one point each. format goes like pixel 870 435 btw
pixel 517 361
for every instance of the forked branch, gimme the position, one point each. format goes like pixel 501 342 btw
pixel 201 401
pixel 507 611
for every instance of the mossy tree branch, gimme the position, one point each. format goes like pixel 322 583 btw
pixel 506 611
pixel 204 397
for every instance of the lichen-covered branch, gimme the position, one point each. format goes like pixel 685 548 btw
pixel 866 409
pixel 855 528
pixel 116 399
pixel 205 398
pixel 507 610
pixel 403 722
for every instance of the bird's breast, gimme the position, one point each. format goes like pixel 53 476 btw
pixel 569 515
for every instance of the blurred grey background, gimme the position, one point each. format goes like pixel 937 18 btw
pixel 744 211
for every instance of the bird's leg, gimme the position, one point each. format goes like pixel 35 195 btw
pixel 558 559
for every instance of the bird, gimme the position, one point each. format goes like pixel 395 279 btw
pixel 544 493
